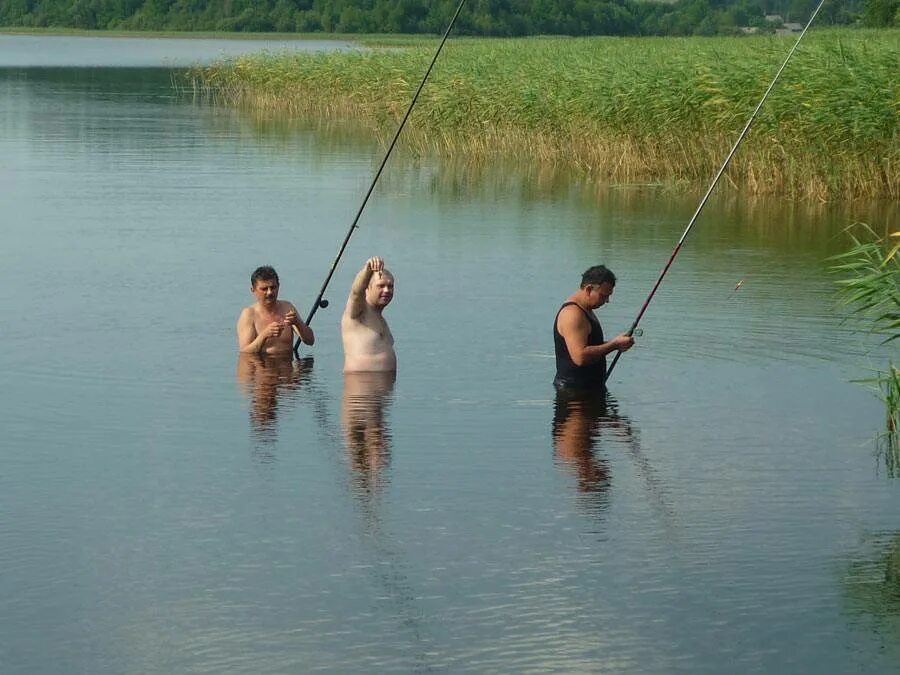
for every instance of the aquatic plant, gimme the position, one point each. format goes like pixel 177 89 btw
pixel 619 110
pixel 870 288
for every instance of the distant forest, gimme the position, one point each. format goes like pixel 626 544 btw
pixel 480 17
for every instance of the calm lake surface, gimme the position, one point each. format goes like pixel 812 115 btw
pixel 170 508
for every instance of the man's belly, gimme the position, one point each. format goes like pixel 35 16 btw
pixel 283 344
pixel 380 361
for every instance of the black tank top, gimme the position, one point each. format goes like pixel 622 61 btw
pixel 568 375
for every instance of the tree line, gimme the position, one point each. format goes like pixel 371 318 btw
pixel 503 18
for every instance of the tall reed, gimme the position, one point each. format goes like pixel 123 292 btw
pixel 870 288
pixel 618 109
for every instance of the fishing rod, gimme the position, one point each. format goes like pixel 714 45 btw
pixel 319 301
pixel 714 183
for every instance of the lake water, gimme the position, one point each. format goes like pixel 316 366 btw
pixel 170 508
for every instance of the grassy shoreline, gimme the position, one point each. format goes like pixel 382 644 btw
pixel 618 109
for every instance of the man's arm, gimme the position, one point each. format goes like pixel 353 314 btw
pixel 300 327
pixel 575 329
pixel 249 341
pixel 356 302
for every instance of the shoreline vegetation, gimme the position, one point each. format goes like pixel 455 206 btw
pixel 485 18
pixel 618 110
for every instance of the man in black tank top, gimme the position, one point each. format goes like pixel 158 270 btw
pixel 578 338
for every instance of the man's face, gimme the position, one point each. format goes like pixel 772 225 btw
pixel 265 291
pixel 599 294
pixel 380 290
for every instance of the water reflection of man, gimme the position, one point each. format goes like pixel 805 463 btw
pixel 578 417
pixel 365 404
pixel 367 396
pixel 264 379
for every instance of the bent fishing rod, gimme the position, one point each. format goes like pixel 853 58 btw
pixel 319 301
pixel 713 185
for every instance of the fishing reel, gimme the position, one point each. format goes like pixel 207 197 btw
pixel 323 303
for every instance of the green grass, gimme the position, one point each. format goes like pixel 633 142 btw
pixel 619 109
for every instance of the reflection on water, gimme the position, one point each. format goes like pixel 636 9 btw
pixel 578 417
pixel 730 219
pixel 730 216
pixel 366 399
pixel 887 447
pixel 872 581
pixel 580 420
pixel 872 589
pixel 365 404
pixel 270 383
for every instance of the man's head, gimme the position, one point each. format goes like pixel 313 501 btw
pixel 380 290
pixel 597 283
pixel 264 285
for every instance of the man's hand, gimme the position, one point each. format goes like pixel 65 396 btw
pixel 623 342
pixel 305 332
pixel 376 264
pixel 273 329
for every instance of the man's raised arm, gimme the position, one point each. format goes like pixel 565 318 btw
pixel 356 302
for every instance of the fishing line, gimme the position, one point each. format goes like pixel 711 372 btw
pixel 319 301
pixel 712 186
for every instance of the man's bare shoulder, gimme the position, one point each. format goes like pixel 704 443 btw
pixel 572 316
pixel 573 311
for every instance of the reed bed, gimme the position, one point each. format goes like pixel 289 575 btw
pixel 620 110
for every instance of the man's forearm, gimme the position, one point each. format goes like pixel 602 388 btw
pixel 304 332
pixel 361 282
pixel 596 352
pixel 255 346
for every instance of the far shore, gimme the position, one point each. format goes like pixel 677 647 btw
pixel 361 38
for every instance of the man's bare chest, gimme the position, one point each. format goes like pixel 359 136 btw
pixel 374 328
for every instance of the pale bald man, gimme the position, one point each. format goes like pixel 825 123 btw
pixel 367 338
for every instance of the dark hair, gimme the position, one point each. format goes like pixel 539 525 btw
pixel 264 273
pixel 596 275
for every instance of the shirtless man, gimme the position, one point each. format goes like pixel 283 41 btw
pixel 368 343
pixel 268 326
pixel 578 338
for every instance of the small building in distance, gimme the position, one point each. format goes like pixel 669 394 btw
pixel 789 29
